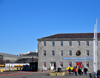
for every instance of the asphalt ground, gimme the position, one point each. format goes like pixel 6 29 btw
pixel 32 76
pixel 25 74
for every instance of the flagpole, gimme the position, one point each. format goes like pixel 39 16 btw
pixel 95 50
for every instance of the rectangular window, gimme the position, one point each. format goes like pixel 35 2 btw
pixel 44 53
pixel 87 64
pixel 53 43
pixel 44 64
pixel 61 64
pixel 70 43
pixel 70 52
pixel 61 43
pixel 53 53
pixel 87 43
pixel 87 52
pixel 78 43
pixel 70 64
pixel 61 52
pixel 44 43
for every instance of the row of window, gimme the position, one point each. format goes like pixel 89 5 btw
pixel 61 53
pixel 70 43
pixel 87 64
pixel 70 64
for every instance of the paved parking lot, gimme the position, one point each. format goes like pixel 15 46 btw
pixel 32 76
pixel 22 74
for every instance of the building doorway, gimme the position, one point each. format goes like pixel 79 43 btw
pixel 79 64
pixel 33 66
pixel 53 65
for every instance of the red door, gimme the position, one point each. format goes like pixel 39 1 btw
pixel 79 64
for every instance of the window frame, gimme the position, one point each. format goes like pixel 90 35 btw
pixel 70 64
pixel 61 64
pixel 70 43
pixel 44 53
pixel 44 43
pixel 87 64
pixel 44 63
pixel 87 53
pixel 61 43
pixel 53 53
pixel 61 52
pixel 78 43
pixel 87 43
pixel 69 52
pixel 53 43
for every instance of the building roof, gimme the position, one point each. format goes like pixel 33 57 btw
pixel 8 55
pixel 30 54
pixel 26 60
pixel 72 35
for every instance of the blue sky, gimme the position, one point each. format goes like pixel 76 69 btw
pixel 22 22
